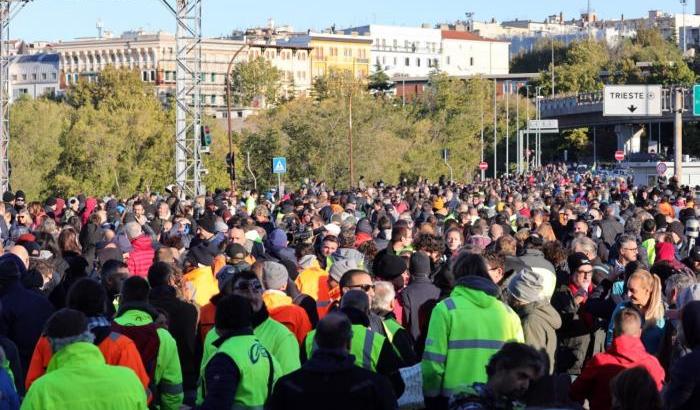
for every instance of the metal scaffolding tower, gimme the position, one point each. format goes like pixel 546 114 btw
pixel 188 121
pixel 8 10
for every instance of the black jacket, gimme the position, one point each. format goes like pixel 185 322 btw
pixel 331 380
pixel 182 324
pixel 418 299
pixel 683 391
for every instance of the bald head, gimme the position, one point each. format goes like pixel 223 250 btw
pixel 21 253
pixel 334 331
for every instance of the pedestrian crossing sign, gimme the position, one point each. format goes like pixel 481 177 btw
pixel 279 165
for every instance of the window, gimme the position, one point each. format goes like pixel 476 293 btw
pixel 448 60
pixel 430 62
pixel 44 76
pixel 384 60
pixel 396 44
pixel 384 43
pixel 14 77
pixel 75 59
pixel 144 76
pixel 406 44
pixel 24 77
pixel 153 75
pixel 167 76
pixel 471 61
pixel 213 99
pixel 213 77
pixel 395 61
pixel 417 62
pixel 408 62
pixel 75 77
pixel 34 76
pixel 53 76
pixel 68 77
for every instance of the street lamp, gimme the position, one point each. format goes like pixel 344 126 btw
pixel 232 173
pixel 684 3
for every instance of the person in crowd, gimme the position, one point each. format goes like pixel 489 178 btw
pixel 141 255
pixel 383 305
pixel 510 373
pixel 683 389
pixel 635 389
pixel 418 297
pixel 242 372
pixel 645 294
pixel 275 337
pixel 331 375
pixel 89 297
pixel 540 321
pixel 372 351
pixel 449 364
pixel 139 320
pixel 626 351
pixel 279 305
pixel 182 321
pixel 78 377
pixel 24 313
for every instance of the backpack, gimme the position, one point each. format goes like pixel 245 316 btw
pixel 147 343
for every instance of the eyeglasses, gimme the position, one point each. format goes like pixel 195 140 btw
pixel 365 288
pixel 631 249
pixel 585 272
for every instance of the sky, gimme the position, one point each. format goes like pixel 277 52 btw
pixel 53 20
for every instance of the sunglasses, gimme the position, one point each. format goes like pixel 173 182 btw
pixel 365 288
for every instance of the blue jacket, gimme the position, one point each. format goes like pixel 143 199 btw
pixel 9 400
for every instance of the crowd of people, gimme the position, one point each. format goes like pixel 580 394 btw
pixel 547 290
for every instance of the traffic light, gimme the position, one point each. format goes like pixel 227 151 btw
pixel 205 136
pixel 229 160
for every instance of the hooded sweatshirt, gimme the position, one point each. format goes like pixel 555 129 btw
pixel 625 352
pixel 540 323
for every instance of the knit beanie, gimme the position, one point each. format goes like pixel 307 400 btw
pixel 526 286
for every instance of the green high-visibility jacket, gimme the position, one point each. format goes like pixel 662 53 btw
pixel 365 345
pixel 276 338
pixel 465 330
pixel 254 364
pixel 168 374
pixel 78 378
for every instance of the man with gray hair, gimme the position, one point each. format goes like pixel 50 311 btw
pixel 588 247
pixel 383 305
pixel 141 256
pixel 80 374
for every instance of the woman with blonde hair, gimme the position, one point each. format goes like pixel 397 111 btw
pixel 643 292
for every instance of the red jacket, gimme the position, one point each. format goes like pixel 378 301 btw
pixel 141 256
pixel 625 352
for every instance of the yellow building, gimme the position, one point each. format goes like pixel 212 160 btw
pixel 342 52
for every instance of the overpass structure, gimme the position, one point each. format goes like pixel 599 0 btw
pixel 586 110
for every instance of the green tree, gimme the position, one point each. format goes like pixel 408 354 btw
pixel 36 127
pixel 379 82
pixel 255 79
pixel 120 138
pixel 576 138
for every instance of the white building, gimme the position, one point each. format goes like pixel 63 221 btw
pixel 34 75
pixel 466 54
pixel 402 51
pixel 153 55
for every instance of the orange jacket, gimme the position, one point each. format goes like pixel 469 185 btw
pixel 207 314
pixel 311 279
pixel 117 349
pixel 326 297
pixel 294 318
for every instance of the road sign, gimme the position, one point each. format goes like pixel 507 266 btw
pixel 279 165
pixel 696 99
pixel 619 155
pixel 483 165
pixel 661 168
pixel 543 124
pixel 632 101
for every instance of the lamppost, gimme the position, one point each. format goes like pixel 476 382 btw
pixel 232 172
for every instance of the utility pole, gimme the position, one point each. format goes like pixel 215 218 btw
pixel 684 3
pixel 595 152
pixel 527 136
pixel 519 143
pixel 483 172
pixel 232 173
pixel 588 17
pixel 507 128
pixel 551 37
pixel 495 132
pixel 352 168
pixel 678 134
